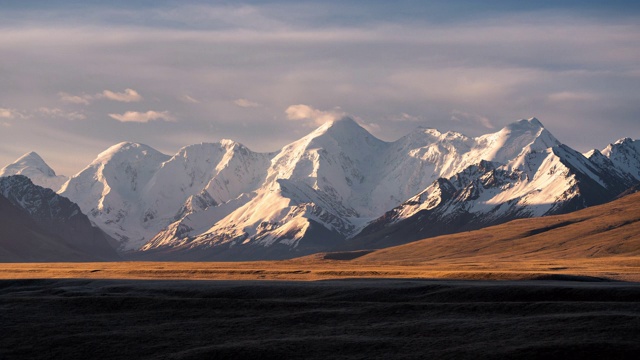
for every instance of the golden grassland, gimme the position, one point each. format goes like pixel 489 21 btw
pixel 617 268
pixel 602 241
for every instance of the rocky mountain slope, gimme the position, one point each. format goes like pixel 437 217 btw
pixel 39 225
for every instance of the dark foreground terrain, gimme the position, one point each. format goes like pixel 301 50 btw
pixel 352 319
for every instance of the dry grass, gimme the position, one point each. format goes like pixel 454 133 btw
pixel 618 268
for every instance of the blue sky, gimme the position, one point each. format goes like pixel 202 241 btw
pixel 79 76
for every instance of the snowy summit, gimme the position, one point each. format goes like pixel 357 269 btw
pixel 32 166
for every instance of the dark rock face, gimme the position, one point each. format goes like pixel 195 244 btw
pixel 28 209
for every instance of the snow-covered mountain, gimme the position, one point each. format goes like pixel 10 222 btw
pixel 133 191
pixel 339 186
pixel 535 183
pixel 326 187
pixel 219 178
pixel 625 155
pixel 45 226
pixel 317 191
pixel 110 189
pixel 310 191
pixel 32 166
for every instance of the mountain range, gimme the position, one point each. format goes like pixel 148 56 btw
pixel 339 187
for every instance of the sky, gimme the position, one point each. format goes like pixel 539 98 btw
pixel 79 76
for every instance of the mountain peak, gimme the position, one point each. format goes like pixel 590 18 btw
pixel 625 154
pixel 529 128
pixel 31 155
pixel 525 125
pixel 341 124
pixel 124 146
pixel 427 130
pixel 33 159
pixel 228 142
pixel 506 144
pixel 535 121
pixel 125 149
pixel 625 140
pixel 625 144
pixel 343 131
pixel 36 169
pixel 27 163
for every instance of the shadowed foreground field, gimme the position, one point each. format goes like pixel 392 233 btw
pixel 348 319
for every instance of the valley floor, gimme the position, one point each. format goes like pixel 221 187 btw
pixel 334 319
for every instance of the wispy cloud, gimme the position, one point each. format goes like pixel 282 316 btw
pixel 8 113
pixel 373 128
pixel 143 117
pixel 5 124
pixel 571 96
pixel 402 117
pixel 188 99
pixel 47 112
pixel 75 99
pixel 317 117
pixel 244 103
pixel 129 95
pixel 60 113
